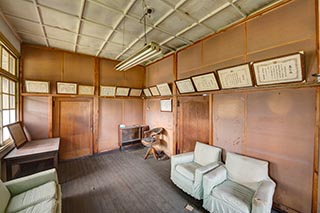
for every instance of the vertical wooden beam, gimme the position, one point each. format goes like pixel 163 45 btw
pixel 50 116
pixel 20 89
pixel 316 128
pixel 96 110
pixel 175 107
pixel 211 120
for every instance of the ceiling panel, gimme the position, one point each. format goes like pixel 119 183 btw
pixel 117 4
pixel 94 30
pixel 250 6
pixel 199 9
pixel 122 38
pixel 157 36
pixel 224 18
pixel 19 8
pixel 86 50
pixel 196 33
pixel 69 6
pixel 60 34
pixel 61 45
pixel 90 42
pixel 59 20
pixel 175 43
pixel 175 23
pixel 33 39
pixel 21 25
pixel 131 27
pixel 100 14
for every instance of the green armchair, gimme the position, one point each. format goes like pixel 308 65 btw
pixel 40 192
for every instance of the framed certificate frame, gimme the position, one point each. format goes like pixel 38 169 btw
pixel 135 92
pixel 85 90
pixel 154 91
pixel 67 88
pixel 147 92
pixel 107 91
pixel 166 105
pixel 283 69
pixel 164 89
pixel 122 91
pixel 235 77
pixel 37 86
pixel 185 86
pixel 205 82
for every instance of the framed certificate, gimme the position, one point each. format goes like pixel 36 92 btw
pixel 66 88
pixel 164 89
pixel 154 91
pixel 235 77
pixel 85 90
pixel 122 91
pixel 107 91
pixel 166 105
pixel 185 86
pixel 37 86
pixel 205 82
pixel 284 69
pixel 135 92
pixel 147 92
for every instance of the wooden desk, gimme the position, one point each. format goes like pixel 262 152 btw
pixel 33 151
pixel 131 134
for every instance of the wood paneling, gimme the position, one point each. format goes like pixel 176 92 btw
pixel 73 124
pixel 160 72
pixel 281 130
pixel 36 116
pixel 190 58
pixel 193 122
pixel 78 68
pixel 133 111
pixel 109 119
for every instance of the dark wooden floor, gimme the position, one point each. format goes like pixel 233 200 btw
pixel 121 182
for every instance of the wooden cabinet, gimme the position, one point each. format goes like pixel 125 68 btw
pixel 129 135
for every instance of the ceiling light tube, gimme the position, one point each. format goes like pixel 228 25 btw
pixel 139 60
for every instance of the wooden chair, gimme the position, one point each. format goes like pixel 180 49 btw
pixel 151 138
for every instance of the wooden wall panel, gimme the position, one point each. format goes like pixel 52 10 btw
pixel 190 58
pixel 133 111
pixel 78 68
pixel 133 77
pixel 160 72
pixel 36 116
pixel 227 45
pixel 154 118
pixel 281 130
pixel 229 113
pixel 42 64
pixel 109 119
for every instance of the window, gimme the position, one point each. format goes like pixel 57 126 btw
pixel 8 92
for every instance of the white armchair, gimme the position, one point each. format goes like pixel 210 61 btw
pixel 187 169
pixel 241 186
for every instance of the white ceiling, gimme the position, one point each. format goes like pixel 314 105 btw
pixel 112 28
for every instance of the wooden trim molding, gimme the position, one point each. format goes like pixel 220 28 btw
pixel 8 44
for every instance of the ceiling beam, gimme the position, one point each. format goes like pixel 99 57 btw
pixel 83 3
pixel 35 3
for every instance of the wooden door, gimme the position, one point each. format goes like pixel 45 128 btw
pixel 193 122
pixel 73 124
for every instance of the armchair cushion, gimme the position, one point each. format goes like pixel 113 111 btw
pixel 188 169
pixel 33 196
pixel 4 196
pixel 205 154
pixel 245 170
pixel 47 206
pixel 235 195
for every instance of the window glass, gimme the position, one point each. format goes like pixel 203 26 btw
pixel 5 59
pixel 5 117
pixel 5 85
pixel 12 65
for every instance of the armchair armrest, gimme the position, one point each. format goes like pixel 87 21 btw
pixel 262 199
pixel 213 178
pixel 181 158
pixel 19 185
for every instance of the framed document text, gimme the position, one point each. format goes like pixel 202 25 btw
pixel 164 89
pixel 107 91
pixel 147 92
pixel 185 86
pixel 85 90
pixel 122 91
pixel 37 86
pixel 283 69
pixel 154 91
pixel 235 77
pixel 206 82
pixel 66 88
pixel 135 92
pixel 166 105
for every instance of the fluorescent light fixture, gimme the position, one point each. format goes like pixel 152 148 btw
pixel 149 51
